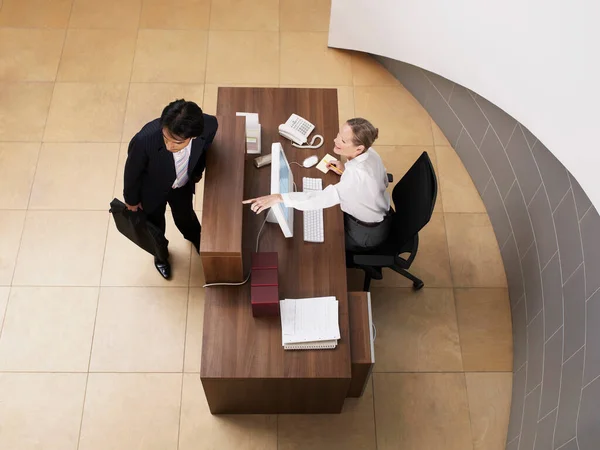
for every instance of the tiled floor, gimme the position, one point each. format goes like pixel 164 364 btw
pixel 98 352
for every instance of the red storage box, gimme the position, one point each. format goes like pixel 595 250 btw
pixel 264 277
pixel 265 300
pixel 264 260
pixel 264 285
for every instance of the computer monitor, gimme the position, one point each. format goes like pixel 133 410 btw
pixel 282 182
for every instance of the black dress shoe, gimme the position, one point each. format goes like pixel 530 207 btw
pixel 163 267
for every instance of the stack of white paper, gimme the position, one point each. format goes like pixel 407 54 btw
pixel 252 132
pixel 309 323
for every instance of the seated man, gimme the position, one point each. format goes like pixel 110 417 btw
pixel 165 160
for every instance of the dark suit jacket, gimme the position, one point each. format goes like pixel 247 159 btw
pixel 150 167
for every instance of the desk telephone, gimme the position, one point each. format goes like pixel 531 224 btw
pixel 297 129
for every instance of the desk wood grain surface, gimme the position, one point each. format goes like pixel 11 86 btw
pixel 247 350
pixel 221 244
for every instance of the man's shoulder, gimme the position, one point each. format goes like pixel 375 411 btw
pixel 149 131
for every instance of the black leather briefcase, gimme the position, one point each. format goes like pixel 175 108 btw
pixel 135 227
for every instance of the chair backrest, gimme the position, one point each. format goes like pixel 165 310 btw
pixel 414 199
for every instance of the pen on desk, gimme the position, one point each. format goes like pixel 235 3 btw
pixel 335 169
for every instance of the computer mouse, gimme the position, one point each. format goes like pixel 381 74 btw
pixel 310 161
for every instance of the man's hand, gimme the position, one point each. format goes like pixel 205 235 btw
pixel 336 166
pixel 259 204
pixel 134 208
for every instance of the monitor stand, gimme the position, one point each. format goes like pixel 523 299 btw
pixel 271 216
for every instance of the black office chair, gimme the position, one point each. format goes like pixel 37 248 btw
pixel 414 198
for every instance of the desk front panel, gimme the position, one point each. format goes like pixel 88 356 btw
pixel 275 396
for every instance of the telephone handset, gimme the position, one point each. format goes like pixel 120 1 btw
pixel 297 130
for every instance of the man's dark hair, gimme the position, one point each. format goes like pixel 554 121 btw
pixel 183 119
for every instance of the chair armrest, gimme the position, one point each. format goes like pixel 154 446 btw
pixel 374 260
pixel 412 251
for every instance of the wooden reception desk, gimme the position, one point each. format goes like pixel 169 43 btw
pixel 244 368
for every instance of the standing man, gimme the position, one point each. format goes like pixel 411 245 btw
pixel 165 160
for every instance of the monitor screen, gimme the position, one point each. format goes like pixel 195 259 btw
pixel 284 183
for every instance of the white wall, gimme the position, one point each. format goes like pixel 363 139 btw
pixel 539 60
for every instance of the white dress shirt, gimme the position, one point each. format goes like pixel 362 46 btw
pixel 182 159
pixel 361 191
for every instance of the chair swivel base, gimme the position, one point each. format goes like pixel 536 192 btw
pixel 372 273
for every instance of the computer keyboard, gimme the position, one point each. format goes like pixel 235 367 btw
pixel 313 220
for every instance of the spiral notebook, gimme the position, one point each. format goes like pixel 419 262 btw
pixel 309 323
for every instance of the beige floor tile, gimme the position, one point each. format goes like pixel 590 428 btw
pixel 127 411
pixel 118 190
pixel 432 263
pixel 484 322
pixel 422 411
pixel 146 102
pixel 11 228
pixel 196 272
pixel 61 248
pixel 30 54
pixel 175 14
pixel 345 100
pixel 245 15
pixel 125 264
pixel 400 118
pixel 109 62
pixel 41 410
pixel 23 110
pixel 48 329
pixel 438 137
pixel 416 331
pixel 4 291
pixel 489 403
pixel 459 194
pixel 366 71
pixel 209 101
pixel 309 15
pixel 193 336
pixel 354 428
pixel 35 13
pixel 165 56
pixel 86 112
pixel 345 103
pixel 200 429
pixel 75 176
pixel 105 14
pixel 474 255
pixel 306 59
pixel 140 330
pixel 399 158
pixel 253 57
pixel 17 170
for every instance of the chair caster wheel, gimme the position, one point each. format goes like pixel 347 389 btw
pixel 418 285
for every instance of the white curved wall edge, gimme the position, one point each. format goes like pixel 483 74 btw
pixel 538 60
